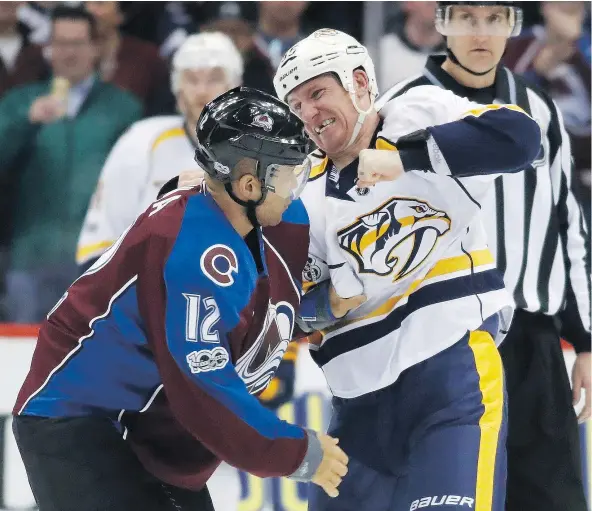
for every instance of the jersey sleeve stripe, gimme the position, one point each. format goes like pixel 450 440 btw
pixel 387 145
pixel 476 112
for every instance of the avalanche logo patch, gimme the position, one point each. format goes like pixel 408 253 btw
pixel 263 121
pixel 218 263
pixel 395 238
pixel 258 365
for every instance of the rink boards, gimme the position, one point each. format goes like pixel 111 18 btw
pixel 310 408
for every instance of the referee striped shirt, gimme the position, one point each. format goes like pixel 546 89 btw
pixel 534 223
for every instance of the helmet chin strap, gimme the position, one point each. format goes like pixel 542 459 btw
pixel 251 205
pixel 453 58
pixel 361 116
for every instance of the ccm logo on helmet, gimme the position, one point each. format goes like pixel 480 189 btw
pixel 218 263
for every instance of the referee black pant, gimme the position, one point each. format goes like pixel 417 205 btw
pixel 544 456
pixel 83 464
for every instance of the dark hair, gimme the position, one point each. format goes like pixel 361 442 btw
pixel 66 12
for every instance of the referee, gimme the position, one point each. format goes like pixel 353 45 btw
pixel 536 228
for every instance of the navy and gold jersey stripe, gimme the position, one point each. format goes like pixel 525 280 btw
pixel 453 289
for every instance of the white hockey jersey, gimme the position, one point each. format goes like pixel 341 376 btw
pixel 415 246
pixel 147 155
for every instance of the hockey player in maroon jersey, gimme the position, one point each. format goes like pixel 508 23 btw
pixel 144 372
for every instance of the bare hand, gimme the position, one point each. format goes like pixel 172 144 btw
pixel 377 165
pixel 341 306
pixel 190 178
pixel 315 338
pixel 333 467
pixel 581 380
pixel 46 109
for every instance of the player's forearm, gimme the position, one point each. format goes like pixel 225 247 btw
pixel 213 403
pixel 500 140
pixel 575 317
pixel 255 441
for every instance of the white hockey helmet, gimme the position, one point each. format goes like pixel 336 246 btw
pixel 204 51
pixel 324 51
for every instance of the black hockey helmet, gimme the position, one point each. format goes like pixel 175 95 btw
pixel 247 123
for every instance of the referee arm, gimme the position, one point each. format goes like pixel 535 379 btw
pixel 575 315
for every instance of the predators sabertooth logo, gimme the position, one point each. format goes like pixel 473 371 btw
pixel 395 238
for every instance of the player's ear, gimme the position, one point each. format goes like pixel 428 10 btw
pixel 361 83
pixel 248 187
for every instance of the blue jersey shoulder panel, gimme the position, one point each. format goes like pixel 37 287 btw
pixel 210 258
pixel 296 213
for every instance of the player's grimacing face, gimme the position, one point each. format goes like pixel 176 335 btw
pixel 480 51
pixel 198 87
pixel 326 110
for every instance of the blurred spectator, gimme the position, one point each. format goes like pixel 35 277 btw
pixel 235 19
pixel 54 138
pixel 141 19
pixel 326 15
pixel 20 61
pixel 409 39
pixel 279 27
pixel 36 16
pixel 126 61
pixel 178 20
pixel 154 150
pixel 555 56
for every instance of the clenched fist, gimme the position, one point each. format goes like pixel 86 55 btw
pixel 341 306
pixel 333 467
pixel 377 165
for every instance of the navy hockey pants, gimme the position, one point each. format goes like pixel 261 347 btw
pixel 435 439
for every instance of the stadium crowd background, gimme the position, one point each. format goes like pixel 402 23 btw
pixel 43 206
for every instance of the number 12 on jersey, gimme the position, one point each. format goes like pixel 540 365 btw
pixel 204 330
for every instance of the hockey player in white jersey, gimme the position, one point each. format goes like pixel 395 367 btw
pixel 154 150
pixel 417 379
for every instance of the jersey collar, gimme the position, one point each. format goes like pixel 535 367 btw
pixel 340 182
